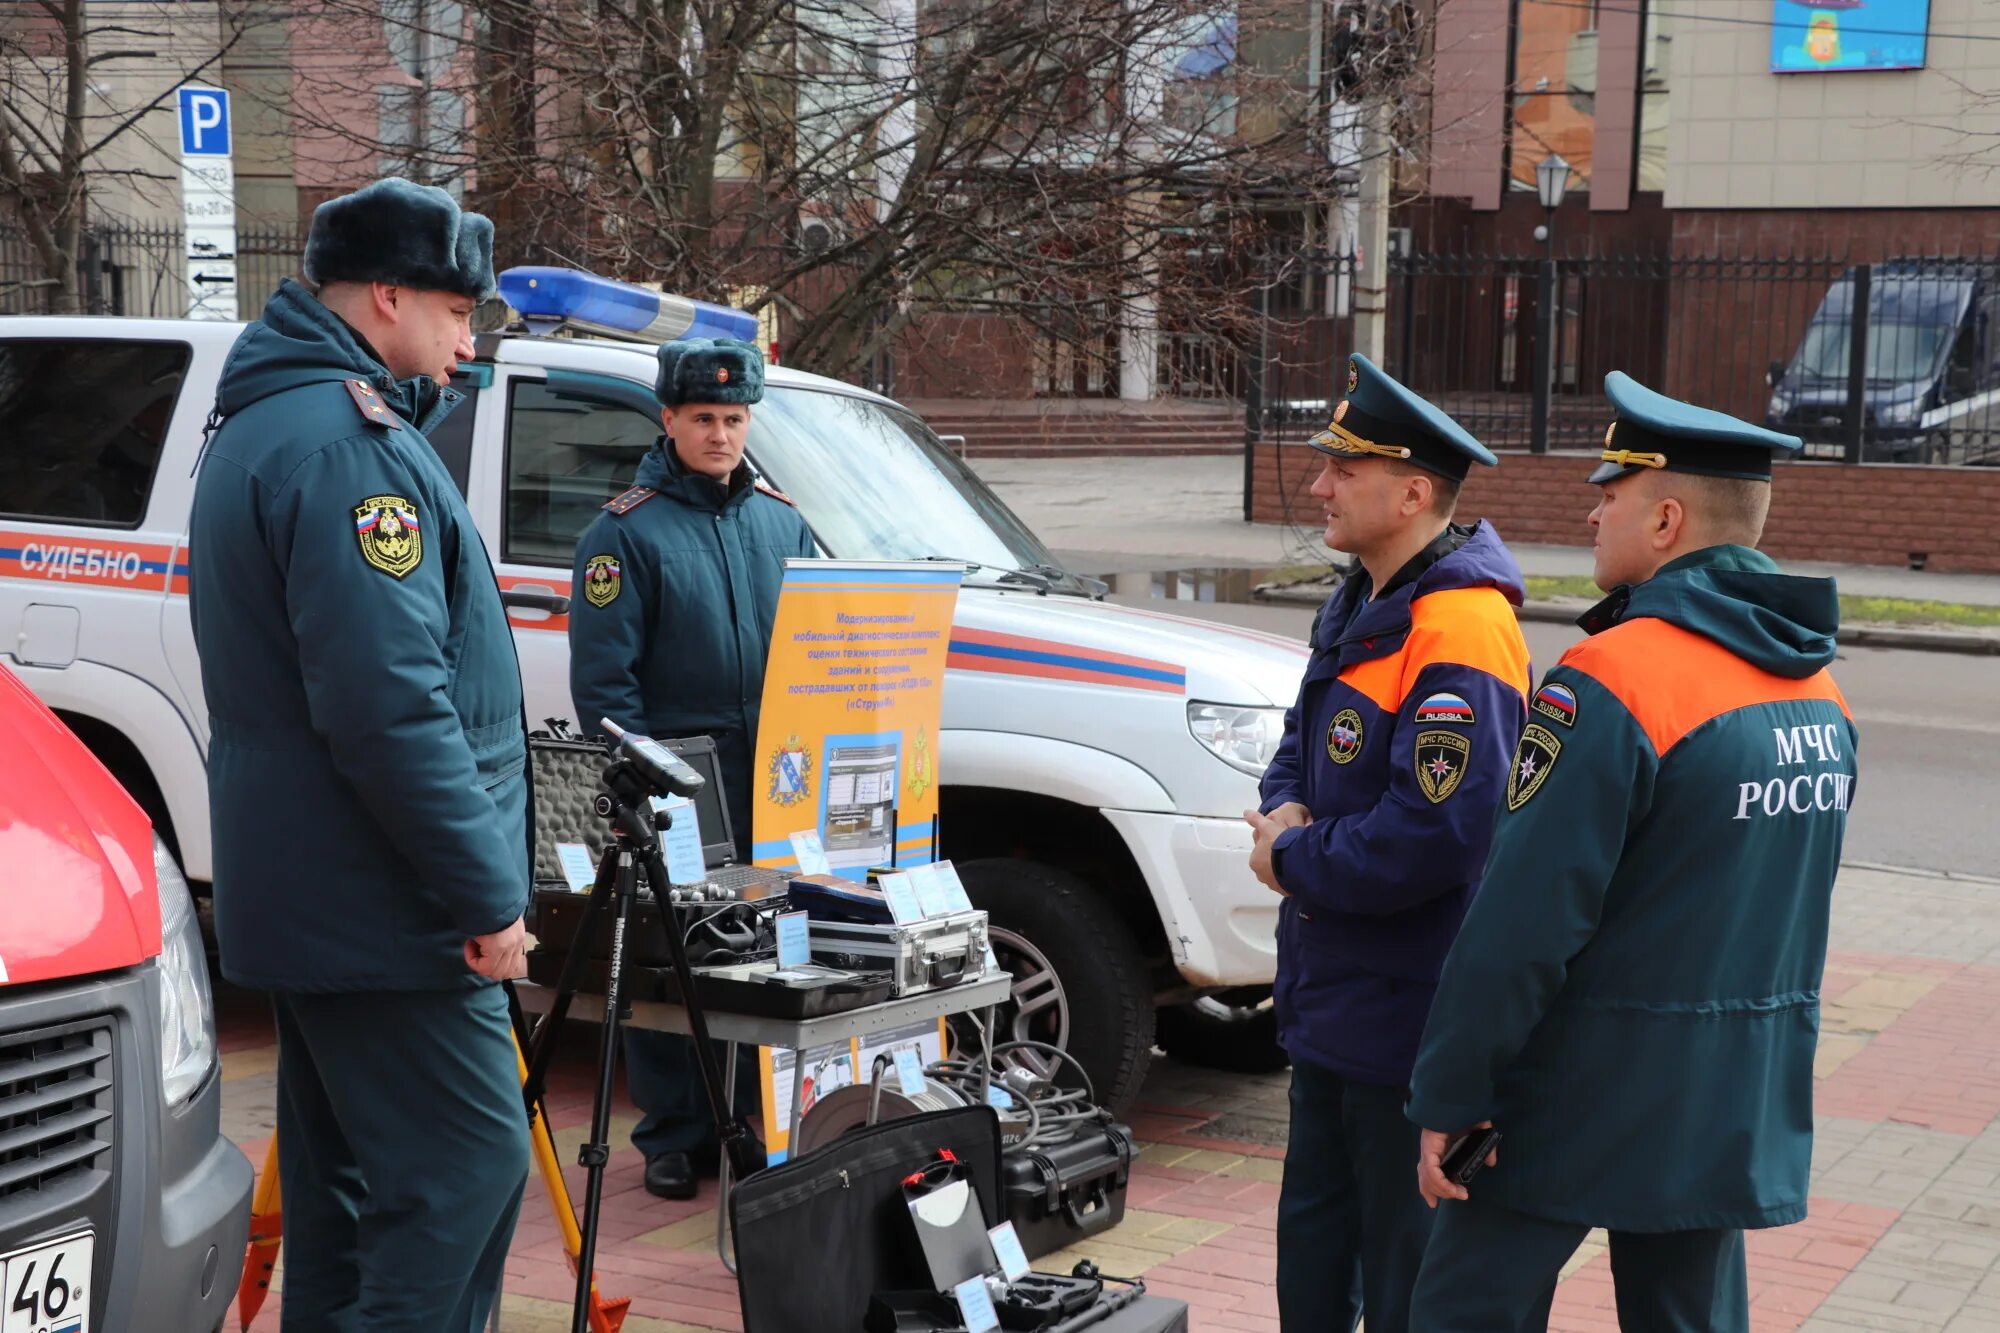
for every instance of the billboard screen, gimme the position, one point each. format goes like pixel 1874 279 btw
pixel 1821 35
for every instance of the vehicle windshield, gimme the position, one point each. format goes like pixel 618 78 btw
pixel 1897 353
pixel 876 484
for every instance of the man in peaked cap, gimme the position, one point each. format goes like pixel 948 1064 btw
pixel 676 589
pixel 1634 999
pixel 367 769
pixel 1374 825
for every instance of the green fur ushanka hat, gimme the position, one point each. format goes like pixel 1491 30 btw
pixel 709 370
pixel 399 232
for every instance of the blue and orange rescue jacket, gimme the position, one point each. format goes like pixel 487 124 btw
pixel 1398 745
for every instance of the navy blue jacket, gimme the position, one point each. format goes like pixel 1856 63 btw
pixel 367 760
pixel 670 622
pixel 1398 745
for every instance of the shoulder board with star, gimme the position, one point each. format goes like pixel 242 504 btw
pixel 373 410
pixel 630 500
pixel 774 493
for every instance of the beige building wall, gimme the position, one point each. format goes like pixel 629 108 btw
pixel 136 176
pixel 154 47
pixel 1740 136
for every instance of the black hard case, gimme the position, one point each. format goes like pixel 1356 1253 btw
pixel 1056 1196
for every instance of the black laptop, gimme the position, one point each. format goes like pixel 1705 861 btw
pixel 718 834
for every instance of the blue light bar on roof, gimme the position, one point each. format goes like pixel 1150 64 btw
pixel 617 309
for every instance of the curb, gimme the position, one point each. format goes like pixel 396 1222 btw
pixel 1565 613
pixel 1917 872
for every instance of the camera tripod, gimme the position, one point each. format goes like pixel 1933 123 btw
pixel 636 775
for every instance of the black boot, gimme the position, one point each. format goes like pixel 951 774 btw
pixel 670 1175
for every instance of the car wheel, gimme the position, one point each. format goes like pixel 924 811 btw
pixel 1235 1031
pixel 1080 982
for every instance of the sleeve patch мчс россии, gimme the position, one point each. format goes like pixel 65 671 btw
pixel 1441 759
pixel 1534 759
pixel 603 577
pixel 391 540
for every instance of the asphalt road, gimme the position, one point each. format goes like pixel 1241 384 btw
pixel 1929 792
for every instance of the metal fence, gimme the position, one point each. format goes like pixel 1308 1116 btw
pixel 1897 361
pixel 141 269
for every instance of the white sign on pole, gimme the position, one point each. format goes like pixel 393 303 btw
pixel 208 203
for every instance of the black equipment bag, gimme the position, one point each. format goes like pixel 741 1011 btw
pixel 819 1235
pixel 1059 1194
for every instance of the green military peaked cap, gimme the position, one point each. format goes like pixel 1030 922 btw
pixel 1382 419
pixel 1651 430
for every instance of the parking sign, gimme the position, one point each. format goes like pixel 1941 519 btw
pixel 204 122
pixel 208 203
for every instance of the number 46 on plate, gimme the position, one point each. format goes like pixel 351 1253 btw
pixel 42 1288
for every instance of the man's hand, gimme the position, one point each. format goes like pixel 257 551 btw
pixel 1432 1182
pixel 1267 828
pixel 1291 815
pixel 503 955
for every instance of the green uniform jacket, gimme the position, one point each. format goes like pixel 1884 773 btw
pixel 676 588
pixel 1634 998
pixel 367 763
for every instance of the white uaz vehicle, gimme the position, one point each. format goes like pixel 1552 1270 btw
pixel 1096 759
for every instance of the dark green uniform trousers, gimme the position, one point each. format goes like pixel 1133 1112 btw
pixel 1351 1225
pixel 1490 1270
pixel 402 1154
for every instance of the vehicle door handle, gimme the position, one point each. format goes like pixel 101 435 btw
pixel 536 599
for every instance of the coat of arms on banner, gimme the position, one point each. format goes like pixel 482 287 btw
pixel 791 772
pixel 921 776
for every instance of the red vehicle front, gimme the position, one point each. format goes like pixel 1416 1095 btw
pixel 118 1192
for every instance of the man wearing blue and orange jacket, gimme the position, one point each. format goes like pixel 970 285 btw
pixel 1375 820
pixel 1634 1002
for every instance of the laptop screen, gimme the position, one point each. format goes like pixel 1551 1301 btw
pixel 718 841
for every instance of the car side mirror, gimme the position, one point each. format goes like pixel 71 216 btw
pixel 1774 373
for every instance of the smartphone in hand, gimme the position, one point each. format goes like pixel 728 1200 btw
pixel 1465 1158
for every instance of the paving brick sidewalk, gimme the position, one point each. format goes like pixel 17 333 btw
pixel 1903 1237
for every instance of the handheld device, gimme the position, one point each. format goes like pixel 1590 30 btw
pixel 660 767
pixel 1465 1158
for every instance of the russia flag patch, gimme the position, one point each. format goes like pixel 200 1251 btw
pixel 1557 701
pixel 1445 708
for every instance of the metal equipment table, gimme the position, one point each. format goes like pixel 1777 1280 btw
pixel 795 1035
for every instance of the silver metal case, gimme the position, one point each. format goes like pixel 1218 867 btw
pixel 929 955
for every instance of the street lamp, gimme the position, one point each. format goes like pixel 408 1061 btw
pixel 1551 183
pixel 1552 180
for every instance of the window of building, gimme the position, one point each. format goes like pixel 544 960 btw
pixel 1553 106
pixel 86 420
pixel 1200 94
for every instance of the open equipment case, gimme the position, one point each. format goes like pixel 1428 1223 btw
pixel 820 1237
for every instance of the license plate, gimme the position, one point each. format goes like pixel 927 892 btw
pixel 45 1288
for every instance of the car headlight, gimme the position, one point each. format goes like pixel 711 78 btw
pixel 1243 738
pixel 1901 414
pixel 187 1009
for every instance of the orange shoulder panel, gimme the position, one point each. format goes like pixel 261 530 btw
pixel 1472 627
pixel 1672 680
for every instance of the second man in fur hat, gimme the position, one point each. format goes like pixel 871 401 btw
pixel 676 587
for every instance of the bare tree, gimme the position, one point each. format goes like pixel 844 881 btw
pixel 1077 167
pixel 85 85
